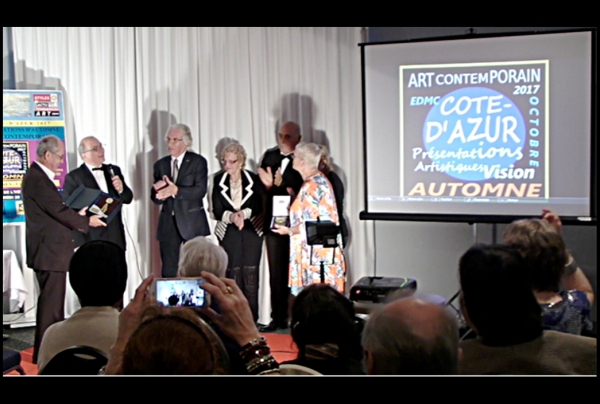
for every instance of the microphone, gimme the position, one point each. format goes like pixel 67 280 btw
pixel 112 172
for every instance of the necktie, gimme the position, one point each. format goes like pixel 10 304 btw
pixel 97 169
pixel 175 170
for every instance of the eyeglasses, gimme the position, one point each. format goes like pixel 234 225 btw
pixel 232 162
pixel 95 149
pixel 174 140
pixel 62 157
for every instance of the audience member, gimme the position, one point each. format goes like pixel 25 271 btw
pixel 498 303
pixel 173 341
pixel 547 257
pixel 189 341
pixel 98 275
pixel 200 254
pixel 573 277
pixel 326 332
pixel 411 336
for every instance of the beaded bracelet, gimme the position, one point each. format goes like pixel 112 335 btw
pixel 255 342
pixel 258 359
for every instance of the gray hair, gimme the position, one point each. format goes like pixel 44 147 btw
pixel 398 348
pixel 81 148
pixel 310 153
pixel 325 162
pixel 185 130
pixel 49 143
pixel 200 254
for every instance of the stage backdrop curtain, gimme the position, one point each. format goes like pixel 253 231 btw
pixel 127 85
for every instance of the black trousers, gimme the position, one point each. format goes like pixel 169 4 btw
pixel 244 248
pixel 50 304
pixel 169 248
pixel 278 254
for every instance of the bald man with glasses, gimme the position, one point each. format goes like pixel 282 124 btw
pixel 108 178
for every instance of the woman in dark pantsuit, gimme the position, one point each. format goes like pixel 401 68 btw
pixel 237 205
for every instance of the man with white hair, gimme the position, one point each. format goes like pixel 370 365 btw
pixel 94 174
pixel 180 184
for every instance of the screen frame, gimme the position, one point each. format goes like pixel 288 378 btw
pixel 482 218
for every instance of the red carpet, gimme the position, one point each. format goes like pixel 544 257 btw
pixel 30 368
pixel 282 348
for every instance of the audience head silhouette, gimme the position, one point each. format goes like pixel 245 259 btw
pixel 173 341
pixel 411 336
pixel 98 273
pixel 488 274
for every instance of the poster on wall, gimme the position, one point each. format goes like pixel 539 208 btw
pixel 484 130
pixel 28 116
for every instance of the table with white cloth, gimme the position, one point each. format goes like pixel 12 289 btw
pixel 13 282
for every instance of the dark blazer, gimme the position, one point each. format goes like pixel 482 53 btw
pixel 253 192
pixel 114 231
pixel 338 191
pixel 48 223
pixel 192 181
pixel 291 178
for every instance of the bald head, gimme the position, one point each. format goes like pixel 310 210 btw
pixel 288 137
pixel 411 337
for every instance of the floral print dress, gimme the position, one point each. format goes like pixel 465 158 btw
pixel 314 200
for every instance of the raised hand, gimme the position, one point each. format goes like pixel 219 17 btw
pixel 266 176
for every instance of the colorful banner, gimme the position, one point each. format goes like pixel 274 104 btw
pixel 28 116
pixel 484 130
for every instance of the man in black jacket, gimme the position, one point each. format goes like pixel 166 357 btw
pixel 180 183
pixel 279 178
pixel 93 173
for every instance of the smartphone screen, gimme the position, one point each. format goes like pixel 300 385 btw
pixel 177 292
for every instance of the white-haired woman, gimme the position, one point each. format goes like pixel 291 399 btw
pixel 315 200
pixel 237 204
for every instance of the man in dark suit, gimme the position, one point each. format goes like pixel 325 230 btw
pixel 106 177
pixel 180 183
pixel 48 226
pixel 279 178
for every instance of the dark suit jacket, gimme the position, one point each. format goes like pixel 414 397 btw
pixel 291 178
pixel 253 192
pixel 338 191
pixel 48 223
pixel 114 231
pixel 192 181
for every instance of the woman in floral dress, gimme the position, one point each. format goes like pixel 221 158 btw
pixel 314 200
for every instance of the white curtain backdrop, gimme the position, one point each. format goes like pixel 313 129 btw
pixel 127 85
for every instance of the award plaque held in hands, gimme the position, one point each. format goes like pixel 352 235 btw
pixel 98 203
